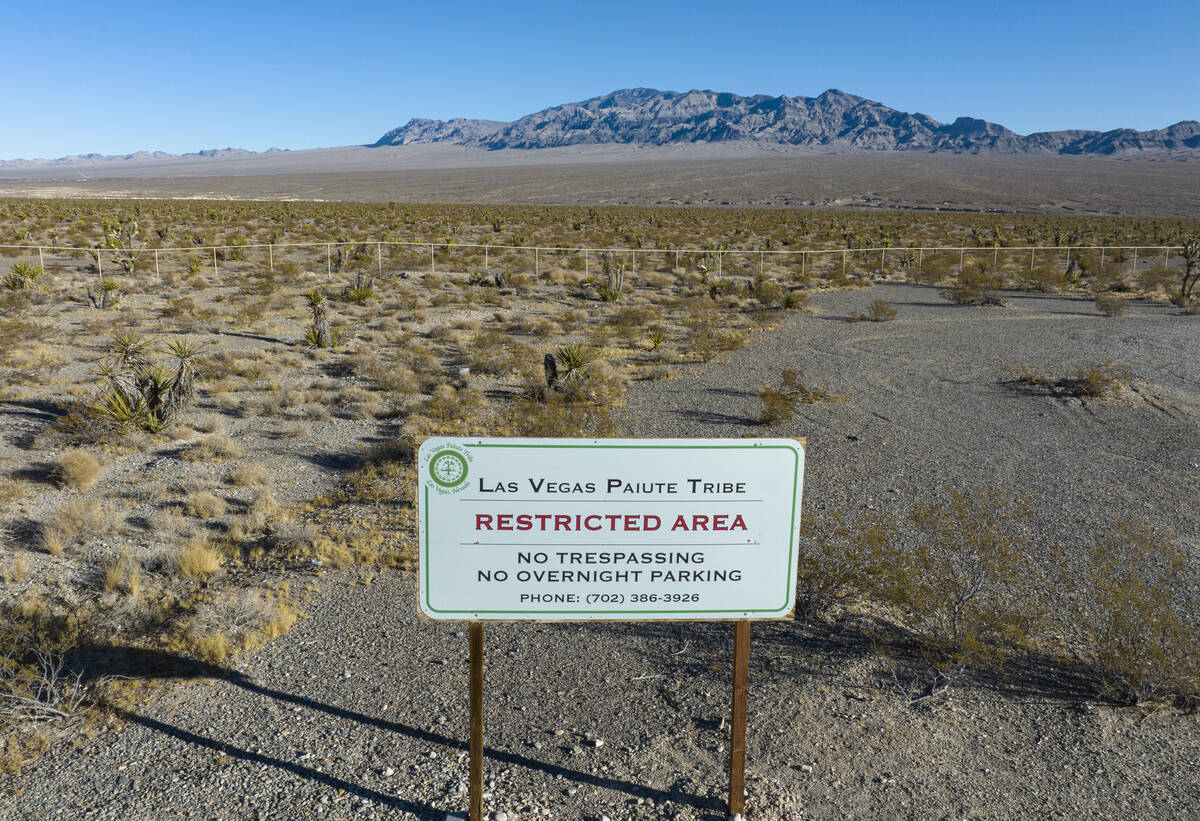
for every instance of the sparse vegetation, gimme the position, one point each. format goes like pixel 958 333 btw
pixel 1106 380
pixel 779 402
pixel 76 470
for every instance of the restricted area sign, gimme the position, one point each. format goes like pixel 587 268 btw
pixel 609 529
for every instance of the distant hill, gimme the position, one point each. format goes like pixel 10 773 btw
pixel 833 122
pixel 89 160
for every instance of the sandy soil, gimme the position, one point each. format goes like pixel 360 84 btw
pixel 359 711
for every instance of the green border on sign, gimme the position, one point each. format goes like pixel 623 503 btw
pixel 789 581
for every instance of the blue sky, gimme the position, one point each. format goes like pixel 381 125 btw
pixel 118 77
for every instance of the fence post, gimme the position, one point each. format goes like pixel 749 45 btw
pixel 676 262
pixel 843 262
pixel 633 255
pixel 99 264
pixel 1166 255
pixel 216 272
pixel 41 259
pixel 157 272
pixel 962 252
pixel 1032 251
pixel 996 258
pixel 1135 250
pixel 485 258
pixel 1102 250
pixel 882 264
pixel 586 270
pixel 271 257
pixel 537 268
pixel 761 256
pixel 379 256
pixel 432 267
pixel 328 260
pixel 718 264
pixel 803 261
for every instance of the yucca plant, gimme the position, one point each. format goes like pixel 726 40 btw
pixel 23 276
pixel 130 349
pixel 574 360
pixel 319 335
pixel 657 338
pixel 361 292
pixel 183 383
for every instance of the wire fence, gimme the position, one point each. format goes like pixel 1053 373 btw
pixel 389 256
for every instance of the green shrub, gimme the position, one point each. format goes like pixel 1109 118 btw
pixel 963 586
pixel 1139 617
pixel 837 558
pixel 1110 304
pixel 975 287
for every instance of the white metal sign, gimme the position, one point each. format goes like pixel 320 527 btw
pixel 608 529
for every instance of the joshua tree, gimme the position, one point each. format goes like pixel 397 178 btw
pixel 1191 269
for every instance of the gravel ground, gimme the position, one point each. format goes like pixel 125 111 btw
pixel 360 710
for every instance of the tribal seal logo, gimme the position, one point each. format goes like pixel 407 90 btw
pixel 448 468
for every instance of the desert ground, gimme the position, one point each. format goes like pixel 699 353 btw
pixel 206 474
pixel 359 710
pixel 708 175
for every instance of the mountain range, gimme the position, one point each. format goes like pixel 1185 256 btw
pixel 832 122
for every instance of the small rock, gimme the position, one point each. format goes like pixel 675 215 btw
pixel 806 768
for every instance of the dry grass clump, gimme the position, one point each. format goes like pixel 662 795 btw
pixel 75 469
pixel 197 559
pixel 205 505
pixel 16 570
pixel 72 523
pixel 122 575
pixel 250 474
pixel 216 447
pixel 779 403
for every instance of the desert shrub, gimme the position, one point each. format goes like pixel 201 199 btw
pixel 1110 304
pixel 1104 380
pixel 1139 616
pixel 1045 280
pixel 878 311
pixel 770 294
pixel 963 586
pixel 559 417
pixel 837 558
pixel 977 286
pixel 795 300
pixel 75 469
pixel 779 402
pixel 237 620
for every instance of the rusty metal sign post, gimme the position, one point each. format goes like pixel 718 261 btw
pixel 609 530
